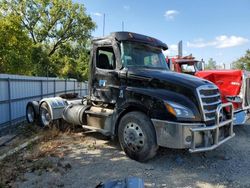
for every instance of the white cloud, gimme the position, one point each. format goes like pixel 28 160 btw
pixel 126 7
pixel 172 50
pixel 97 14
pixel 226 42
pixel 200 43
pixel 222 41
pixel 166 53
pixel 171 14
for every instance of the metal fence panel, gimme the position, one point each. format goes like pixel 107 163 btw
pixel 47 86
pixel 60 86
pixel 24 88
pixel 3 90
pixel 4 115
pixel 16 91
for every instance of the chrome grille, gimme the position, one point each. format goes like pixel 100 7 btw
pixel 210 98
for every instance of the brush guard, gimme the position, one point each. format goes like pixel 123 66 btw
pixel 211 134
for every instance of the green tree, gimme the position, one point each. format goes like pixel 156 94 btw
pixel 15 46
pixel 52 25
pixel 243 63
pixel 72 61
pixel 211 64
pixel 41 61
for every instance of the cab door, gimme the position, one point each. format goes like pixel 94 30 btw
pixel 105 81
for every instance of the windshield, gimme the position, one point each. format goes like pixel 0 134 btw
pixel 188 68
pixel 142 55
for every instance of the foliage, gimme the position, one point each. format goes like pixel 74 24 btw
pixel 211 65
pixel 15 52
pixel 243 63
pixel 40 61
pixel 59 31
pixel 72 61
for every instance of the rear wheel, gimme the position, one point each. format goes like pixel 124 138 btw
pixel 137 136
pixel 45 115
pixel 32 111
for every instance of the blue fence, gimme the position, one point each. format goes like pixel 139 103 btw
pixel 16 91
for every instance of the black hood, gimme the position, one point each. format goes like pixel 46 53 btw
pixel 167 86
pixel 164 78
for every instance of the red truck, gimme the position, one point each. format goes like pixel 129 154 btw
pixel 234 85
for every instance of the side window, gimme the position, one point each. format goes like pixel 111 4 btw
pixel 105 58
pixel 152 60
pixel 147 60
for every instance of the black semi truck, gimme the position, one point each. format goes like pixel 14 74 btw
pixel 133 95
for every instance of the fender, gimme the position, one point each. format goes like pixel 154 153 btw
pixel 151 102
pixel 56 106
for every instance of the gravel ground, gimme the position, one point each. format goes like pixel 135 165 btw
pixel 76 160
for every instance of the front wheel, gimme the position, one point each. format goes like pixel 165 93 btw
pixel 137 136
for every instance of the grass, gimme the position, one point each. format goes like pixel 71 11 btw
pixel 37 155
pixel 32 157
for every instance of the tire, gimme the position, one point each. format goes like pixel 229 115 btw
pixel 45 115
pixel 32 111
pixel 137 136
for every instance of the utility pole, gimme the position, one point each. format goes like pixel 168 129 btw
pixel 122 26
pixel 103 31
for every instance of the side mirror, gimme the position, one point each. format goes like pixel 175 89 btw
pixel 123 73
pixel 170 64
pixel 201 65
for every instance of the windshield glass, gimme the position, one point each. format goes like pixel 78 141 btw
pixel 142 55
pixel 186 68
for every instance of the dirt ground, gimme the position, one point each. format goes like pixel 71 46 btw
pixel 85 160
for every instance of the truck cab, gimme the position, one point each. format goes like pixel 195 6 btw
pixel 233 84
pixel 134 96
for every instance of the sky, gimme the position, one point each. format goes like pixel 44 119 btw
pixel 218 29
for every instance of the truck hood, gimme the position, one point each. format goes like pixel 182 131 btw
pixel 167 85
pixel 166 78
pixel 228 81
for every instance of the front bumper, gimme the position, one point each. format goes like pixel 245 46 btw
pixel 241 117
pixel 196 136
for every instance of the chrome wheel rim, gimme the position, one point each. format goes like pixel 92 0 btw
pixel 45 116
pixel 30 114
pixel 134 137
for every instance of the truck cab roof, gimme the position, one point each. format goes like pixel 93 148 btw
pixel 134 37
pixel 186 59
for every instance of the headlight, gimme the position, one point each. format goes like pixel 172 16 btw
pixel 179 110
